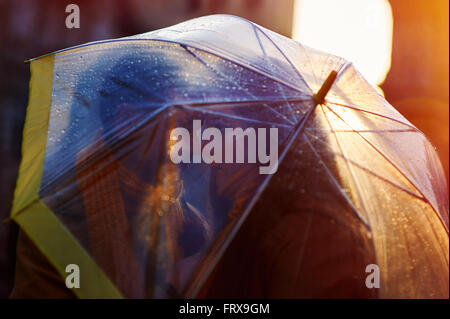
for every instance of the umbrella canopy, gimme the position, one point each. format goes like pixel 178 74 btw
pixel 109 182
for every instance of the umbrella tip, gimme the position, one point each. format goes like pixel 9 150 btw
pixel 319 97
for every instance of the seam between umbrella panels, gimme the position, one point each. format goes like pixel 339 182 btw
pixel 243 64
pixel 373 173
pixel 257 28
pixel 349 169
pixel 341 70
pixel 412 127
pixel 336 183
pixel 230 80
pixel 376 149
pixel 381 153
pixel 393 165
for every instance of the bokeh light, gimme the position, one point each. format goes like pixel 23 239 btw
pixel 357 30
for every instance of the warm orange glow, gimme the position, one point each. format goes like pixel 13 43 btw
pixel 358 30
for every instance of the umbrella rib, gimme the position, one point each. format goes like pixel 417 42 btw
pixel 243 102
pixel 255 30
pixel 346 161
pixel 382 154
pixel 315 100
pixel 285 99
pixel 237 61
pixel 373 173
pixel 374 113
pixel 223 76
pixel 233 116
pixel 374 131
pixel 336 183
pixel 284 55
pixel 342 69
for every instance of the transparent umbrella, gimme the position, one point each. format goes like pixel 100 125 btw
pixel 127 172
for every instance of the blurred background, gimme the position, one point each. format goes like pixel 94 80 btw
pixel 401 46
